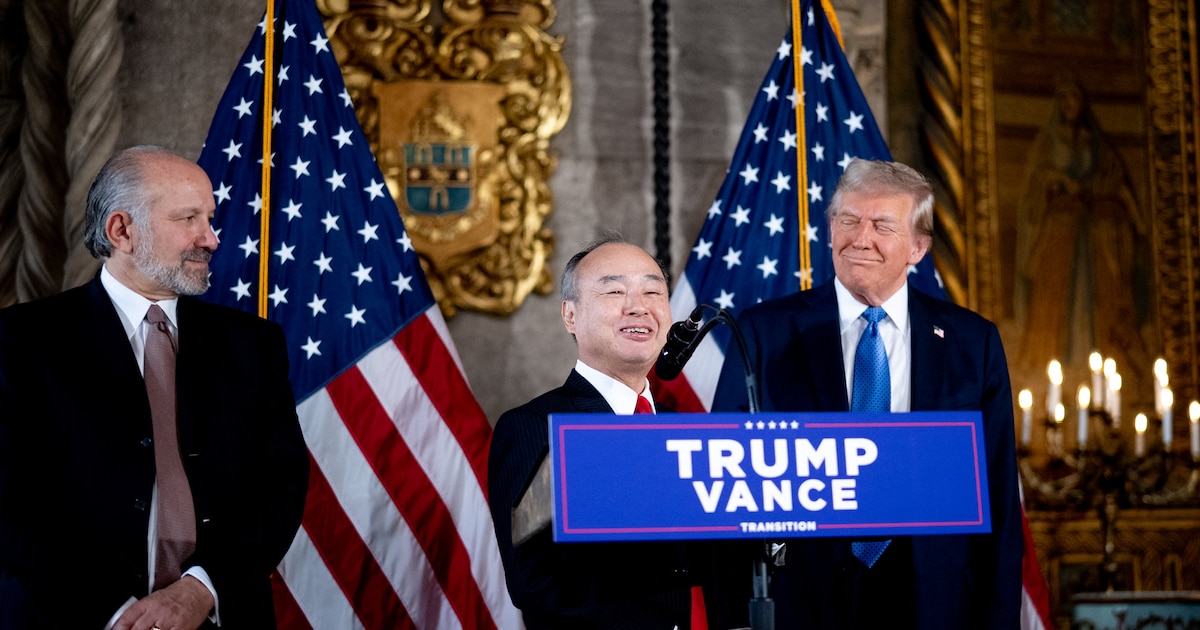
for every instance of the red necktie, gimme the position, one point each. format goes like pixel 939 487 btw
pixel 643 405
pixel 176 514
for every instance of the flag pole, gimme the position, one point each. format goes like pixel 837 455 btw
pixel 801 151
pixel 265 210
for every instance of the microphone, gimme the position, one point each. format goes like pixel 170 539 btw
pixel 681 342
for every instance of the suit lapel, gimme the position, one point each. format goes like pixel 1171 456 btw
pixel 584 396
pixel 928 352
pixel 822 343
pixel 190 368
pixel 101 332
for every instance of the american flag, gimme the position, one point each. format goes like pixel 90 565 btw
pixel 748 249
pixel 396 530
pixel 749 246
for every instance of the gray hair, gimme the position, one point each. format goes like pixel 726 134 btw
pixel 874 177
pixel 118 186
pixel 569 286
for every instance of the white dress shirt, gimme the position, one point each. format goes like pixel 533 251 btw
pixel 897 341
pixel 618 395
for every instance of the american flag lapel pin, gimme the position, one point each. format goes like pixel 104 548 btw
pixel 937 330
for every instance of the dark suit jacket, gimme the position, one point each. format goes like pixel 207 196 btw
pixel 77 463
pixel 956 582
pixel 577 585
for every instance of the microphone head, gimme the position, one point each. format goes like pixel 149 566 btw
pixel 681 342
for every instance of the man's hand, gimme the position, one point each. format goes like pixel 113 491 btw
pixel 183 605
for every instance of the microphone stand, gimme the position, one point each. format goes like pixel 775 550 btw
pixel 762 607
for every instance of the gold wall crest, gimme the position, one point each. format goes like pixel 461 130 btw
pixel 460 100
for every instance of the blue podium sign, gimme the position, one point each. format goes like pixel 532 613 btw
pixel 767 475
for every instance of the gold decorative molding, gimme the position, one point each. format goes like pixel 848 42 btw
pixel 1157 550
pixel 473 91
pixel 1172 103
pixel 961 142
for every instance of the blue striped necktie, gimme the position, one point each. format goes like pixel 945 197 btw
pixel 872 391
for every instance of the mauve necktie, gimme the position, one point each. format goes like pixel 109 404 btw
pixel 176 514
pixel 872 391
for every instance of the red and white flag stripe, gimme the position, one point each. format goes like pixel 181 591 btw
pixel 396 528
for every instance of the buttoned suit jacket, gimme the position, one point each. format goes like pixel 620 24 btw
pixel 77 459
pixel 576 585
pixel 958 363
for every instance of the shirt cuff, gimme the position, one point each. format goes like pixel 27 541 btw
pixel 202 575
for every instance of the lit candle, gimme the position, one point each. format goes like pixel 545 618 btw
pixel 1085 399
pixel 1139 444
pixel 1054 396
pixel 1059 413
pixel 1194 416
pixel 1025 400
pixel 1110 368
pixel 1160 381
pixel 1114 395
pixel 1168 417
pixel 1096 363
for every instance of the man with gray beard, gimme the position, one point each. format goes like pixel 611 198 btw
pixel 152 469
